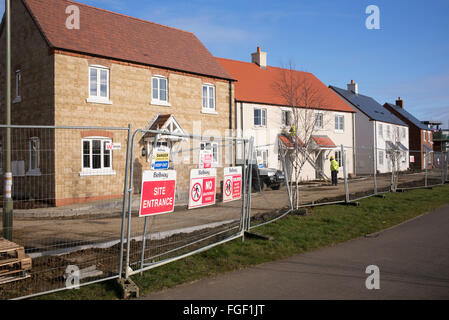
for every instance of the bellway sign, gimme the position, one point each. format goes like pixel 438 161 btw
pixel 161 158
pixel 232 184
pixel 202 187
pixel 158 192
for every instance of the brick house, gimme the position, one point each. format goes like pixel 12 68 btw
pixel 113 71
pixel 262 112
pixel 420 136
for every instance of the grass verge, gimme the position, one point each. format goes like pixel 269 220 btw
pixel 321 227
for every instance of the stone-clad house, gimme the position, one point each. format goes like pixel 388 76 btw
pixel 113 71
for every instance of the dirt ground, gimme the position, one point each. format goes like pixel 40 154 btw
pixel 92 240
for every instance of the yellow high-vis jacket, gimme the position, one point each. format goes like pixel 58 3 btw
pixel 334 165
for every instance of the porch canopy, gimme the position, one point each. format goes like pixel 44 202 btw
pixel 164 123
pixel 397 147
pixel 323 142
pixel 288 141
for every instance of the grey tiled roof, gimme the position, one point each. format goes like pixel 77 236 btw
pixel 369 106
pixel 409 116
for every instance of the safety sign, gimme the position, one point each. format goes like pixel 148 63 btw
pixel 158 192
pixel 206 157
pixel 202 188
pixel 161 158
pixel 232 183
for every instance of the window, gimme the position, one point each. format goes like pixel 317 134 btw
pixel 388 132
pixel 338 158
pixel 381 158
pixel 98 85
pixel 160 90
pixel 208 98
pixel 214 147
pixel 97 157
pixel 286 118
pixel 260 117
pixel 319 120
pixel 34 150
pixel 339 122
pixel 404 133
pixel 262 156
pixel 380 129
pixel 18 97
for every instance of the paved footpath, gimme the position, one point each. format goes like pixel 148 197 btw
pixel 413 259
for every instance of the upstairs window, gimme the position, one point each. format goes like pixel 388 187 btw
pixel 260 117
pixel 98 84
pixel 319 120
pixel 18 86
pixel 404 133
pixel 160 90
pixel 286 119
pixel 208 98
pixel 388 131
pixel 380 130
pixel 339 122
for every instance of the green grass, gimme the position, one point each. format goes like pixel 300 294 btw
pixel 321 227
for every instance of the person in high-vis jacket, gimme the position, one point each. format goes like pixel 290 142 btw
pixel 334 171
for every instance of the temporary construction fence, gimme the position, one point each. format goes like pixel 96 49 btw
pixel 67 197
pixel 97 203
pixel 206 208
pixel 77 195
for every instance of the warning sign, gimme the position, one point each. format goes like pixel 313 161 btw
pixel 161 158
pixel 202 188
pixel 232 183
pixel 206 157
pixel 158 192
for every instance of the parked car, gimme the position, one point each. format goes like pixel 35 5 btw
pixel 266 177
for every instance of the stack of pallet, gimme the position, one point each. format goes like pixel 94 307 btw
pixel 14 263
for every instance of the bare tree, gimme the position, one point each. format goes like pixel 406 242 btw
pixel 303 98
pixel 396 154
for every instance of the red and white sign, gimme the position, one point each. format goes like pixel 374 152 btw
pixel 158 192
pixel 202 188
pixel 206 157
pixel 232 184
pixel 113 146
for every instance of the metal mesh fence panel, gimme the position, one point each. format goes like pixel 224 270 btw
pixel 208 197
pixel 67 198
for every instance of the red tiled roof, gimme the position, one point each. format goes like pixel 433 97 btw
pixel 288 141
pixel 112 35
pixel 324 141
pixel 255 84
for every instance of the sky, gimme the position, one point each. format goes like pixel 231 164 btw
pixel 407 56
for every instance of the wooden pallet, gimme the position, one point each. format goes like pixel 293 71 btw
pixel 14 263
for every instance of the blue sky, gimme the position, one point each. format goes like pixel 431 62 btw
pixel 407 57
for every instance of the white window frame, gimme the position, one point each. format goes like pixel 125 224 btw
pixel 208 108
pixel 214 147
pixel 380 130
pixel 388 131
pixel 380 159
pixel 339 121
pixel 34 170
pixel 98 98
pixel 319 124
pixel 263 118
pixel 157 100
pixel 286 118
pixel 338 158
pixel 18 78
pixel 404 133
pixel 99 171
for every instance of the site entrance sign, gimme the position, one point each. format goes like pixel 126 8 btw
pixel 158 192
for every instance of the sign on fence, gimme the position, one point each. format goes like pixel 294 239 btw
pixel 202 187
pixel 206 157
pixel 113 146
pixel 232 183
pixel 158 192
pixel 161 158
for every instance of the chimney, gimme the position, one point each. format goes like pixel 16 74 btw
pixel 259 58
pixel 400 102
pixel 354 87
